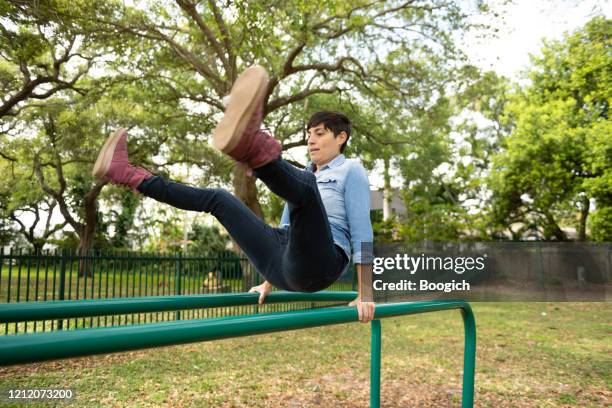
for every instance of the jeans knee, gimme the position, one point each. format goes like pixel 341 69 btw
pixel 218 199
pixel 221 194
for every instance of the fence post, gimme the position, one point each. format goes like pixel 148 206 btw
pixel 62 287
pixel 2 264
pixel 177 281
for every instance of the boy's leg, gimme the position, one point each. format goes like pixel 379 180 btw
pixel 310 256
pixel 311 260
pixel 113 163
pixel 260 242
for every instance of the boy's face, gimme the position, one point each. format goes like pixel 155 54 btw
pixel 322 145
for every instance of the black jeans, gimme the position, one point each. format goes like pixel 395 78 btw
pixel 301 258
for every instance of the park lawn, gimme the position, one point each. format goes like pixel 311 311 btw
pixel 528 355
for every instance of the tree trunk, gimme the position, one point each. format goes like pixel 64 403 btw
pixel 387 193
pixel 246 191
pixel 584 213
pixel 553 228
pixel 38 246
pixel 88 231
pixel 83 250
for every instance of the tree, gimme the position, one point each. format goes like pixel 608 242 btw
pixel 206 239
pixel 19 195
pixel 167 66
pixel 479 128
pixel 34 57
pixel 41 59
pixel 54 136
pixel 309 48
pixel 557 158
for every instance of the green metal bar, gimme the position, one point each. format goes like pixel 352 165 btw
pixel 375 364
pixel 469 356
pixel 102 307
pixel 33 347
pixel 25 348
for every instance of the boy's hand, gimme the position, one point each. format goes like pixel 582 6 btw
pixel 364 309
pixel 263 290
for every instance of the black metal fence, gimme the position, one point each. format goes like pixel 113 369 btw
pixel 27 276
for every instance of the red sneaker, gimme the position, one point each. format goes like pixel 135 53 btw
pixel 113 163
pixel 238 134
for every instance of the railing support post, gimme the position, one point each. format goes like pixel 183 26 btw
pixel 375 365
pixel 469 357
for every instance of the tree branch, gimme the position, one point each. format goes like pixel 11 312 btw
pixel 227 40
pixel 190 9
pixel 287 146
pixel 277 103
pixel 371 136
pixel 77 226
pixel 152 33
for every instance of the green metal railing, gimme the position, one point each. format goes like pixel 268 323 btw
pixel 25 348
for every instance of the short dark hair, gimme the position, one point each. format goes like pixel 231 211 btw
pixel 335 121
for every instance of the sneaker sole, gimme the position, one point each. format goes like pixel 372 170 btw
pixel 105 157
pixel 246 94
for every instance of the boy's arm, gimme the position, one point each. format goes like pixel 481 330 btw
pixel 357 201
pixel 365 300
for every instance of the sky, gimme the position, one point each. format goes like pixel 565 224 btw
pixel 524 24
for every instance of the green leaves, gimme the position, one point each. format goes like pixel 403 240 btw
pixel 558 153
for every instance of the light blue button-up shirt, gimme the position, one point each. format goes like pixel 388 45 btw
pixel 345 192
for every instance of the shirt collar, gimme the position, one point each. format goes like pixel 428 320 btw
pixel 337 161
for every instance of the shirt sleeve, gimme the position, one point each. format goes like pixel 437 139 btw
pixel 357 202
pixel 284 222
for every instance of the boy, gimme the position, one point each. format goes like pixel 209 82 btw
pixel 327 205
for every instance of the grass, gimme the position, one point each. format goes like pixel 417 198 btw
pixel 528 355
